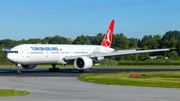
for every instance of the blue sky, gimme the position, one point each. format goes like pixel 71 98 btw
pixel 25 19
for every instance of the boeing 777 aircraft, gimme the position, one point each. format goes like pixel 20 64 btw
pixel 28 56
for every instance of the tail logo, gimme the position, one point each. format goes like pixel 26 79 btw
pixel 107 39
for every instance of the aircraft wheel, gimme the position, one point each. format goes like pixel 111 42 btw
pixel 54 69
pixel 84 71
pixel 87 70
pixel 81 71
pixel 18 72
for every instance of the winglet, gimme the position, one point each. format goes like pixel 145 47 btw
pixel 108 37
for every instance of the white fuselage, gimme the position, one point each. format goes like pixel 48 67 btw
pixel 35 54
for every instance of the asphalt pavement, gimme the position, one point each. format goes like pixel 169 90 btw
pixel 73 72
pixel 65 86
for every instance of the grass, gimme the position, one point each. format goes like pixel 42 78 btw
pixel 137 66
pixel 166 79
pixel 105 66
pixel 5 92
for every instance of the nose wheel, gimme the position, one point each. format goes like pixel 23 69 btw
pixel 18 72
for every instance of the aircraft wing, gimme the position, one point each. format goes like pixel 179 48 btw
pixel 120 53
pixel 5 50
pixel 117 53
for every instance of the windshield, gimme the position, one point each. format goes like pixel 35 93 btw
pixel 13 52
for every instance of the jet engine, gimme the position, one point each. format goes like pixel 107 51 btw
pixel 82 63
pixel 28 66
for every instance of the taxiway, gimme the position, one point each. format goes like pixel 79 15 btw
pixel 64 85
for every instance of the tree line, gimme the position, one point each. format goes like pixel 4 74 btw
pixel 170 39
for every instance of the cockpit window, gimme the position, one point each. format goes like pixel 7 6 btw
pixel 13 51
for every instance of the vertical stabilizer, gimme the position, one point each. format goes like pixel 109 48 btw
pixel 108 37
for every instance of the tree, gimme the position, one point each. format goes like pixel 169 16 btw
pixel 128 57
pixel 7 43
pixel 144 56
pixel 160 57
pixel 3 56
pixel 171 43
pixel 144 41
pixel 120 41
pixel 120 57
pixel 133 42
pixel 23 41
pixel 33 41
pixel 153 43
pixel 58 40
pixel 157 36
pixel 135 57
pixel 173 55
pixel 178 46
pixel 87 42
pixel 82 40
pixel 17 43
pixel 99 39
pixel 171 34
pixel 92 39
pixel 46 40
pixel 70 41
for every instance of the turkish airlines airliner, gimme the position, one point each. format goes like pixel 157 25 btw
pixel 28 56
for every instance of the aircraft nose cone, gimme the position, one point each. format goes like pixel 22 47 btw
pixel 10 57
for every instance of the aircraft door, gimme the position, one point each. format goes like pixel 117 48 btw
pixel 71 52
pixel 28 52
pixel 47 54
pixel 82 51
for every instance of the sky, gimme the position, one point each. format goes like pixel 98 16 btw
pixel 25 19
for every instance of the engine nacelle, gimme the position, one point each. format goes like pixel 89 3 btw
pixel 28 66
pixel 82 63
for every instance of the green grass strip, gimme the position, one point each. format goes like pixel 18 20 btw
pixel 137 66
pixel 166 79
pixel 5 92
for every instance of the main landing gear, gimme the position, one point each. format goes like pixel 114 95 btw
pixel 85 71
pixel 54 69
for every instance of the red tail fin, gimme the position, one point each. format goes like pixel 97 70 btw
pixel 108 37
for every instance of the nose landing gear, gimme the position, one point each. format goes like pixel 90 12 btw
pixel 18 71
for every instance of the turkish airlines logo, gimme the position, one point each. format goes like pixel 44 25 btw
pixel 107 38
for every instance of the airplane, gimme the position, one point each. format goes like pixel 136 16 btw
pixel 28 56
